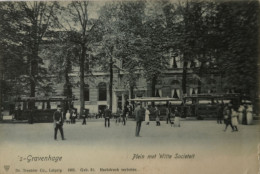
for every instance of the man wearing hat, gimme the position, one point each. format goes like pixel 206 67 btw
pixel 107 115
pixel 58 123
pixel 139 117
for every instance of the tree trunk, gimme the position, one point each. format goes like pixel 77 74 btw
pixel 33 73
pixel 1 81
pixel 200 75
pixel 111 83
pixel 184 77
pixel 82 83
pixel 153 88
pixel 131 91
pixel 67 86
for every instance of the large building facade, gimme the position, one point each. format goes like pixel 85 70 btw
pixel 169 84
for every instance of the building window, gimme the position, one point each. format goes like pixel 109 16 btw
pixel 139 95
pixel 175 93
pixel 193 91
pixel 86 92
pixel 158 93
pixel 119 102
pixel 174 65
pixel 102 91
pixel 175 83
pixel 192 64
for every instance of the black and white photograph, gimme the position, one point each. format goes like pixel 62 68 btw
pixel 130 87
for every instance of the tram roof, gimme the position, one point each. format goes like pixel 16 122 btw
pixel 44 99
pixel 154 99
pixel 215 95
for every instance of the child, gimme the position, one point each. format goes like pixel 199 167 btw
pixel 158 121
pixel 157 114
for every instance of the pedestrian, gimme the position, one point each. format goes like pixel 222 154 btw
pixel 147 113
pixel 139 117
pixel 84 117
pixel 68 117
pixel 18 112
pixel 32 112
pixel 249 117
pixel 234 119
pixel 244 118
pixel 157 116
pixel 219 113
pixel 99 113
pixel 108 115
pixel 15 114
pixel 177 116
pixel 119 115
pixel 167 115
pixel 125 114
pixel 227 117
pixel 73 117
pixel 58 123
pixel 171 118
pixel 240 114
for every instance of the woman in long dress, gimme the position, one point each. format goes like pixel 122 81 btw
pixel 234 121
pixel 244 120
pixel 68 117
pixel 177 118
pixel 147 118
pixel 240 114
pixel 249 117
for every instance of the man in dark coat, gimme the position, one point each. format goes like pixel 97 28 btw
pixel 139 117
pixel 220 110
pixel 244 112
pixel 84 117
pixel 125 112
pixel 58 123
pixel 17 113
pixel 107 116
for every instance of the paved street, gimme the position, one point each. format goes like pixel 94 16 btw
pixel 94 146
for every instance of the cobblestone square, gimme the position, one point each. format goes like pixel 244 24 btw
pixel 196 146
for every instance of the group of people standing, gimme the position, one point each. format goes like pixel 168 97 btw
pixel 172 116
pixel 122 116
pixel 230 115
pixel 71 117
pixel 143 114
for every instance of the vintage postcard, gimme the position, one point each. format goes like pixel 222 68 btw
pixel 131 87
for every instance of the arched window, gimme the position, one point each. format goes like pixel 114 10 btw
pixel 86 92
pixel 193 91
pixel 102 91
pixel 175 93
pixel 175 82
pixel 174 65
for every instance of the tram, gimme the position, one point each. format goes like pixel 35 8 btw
pixel 206 105
pixel 199 106
pixel 40 110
